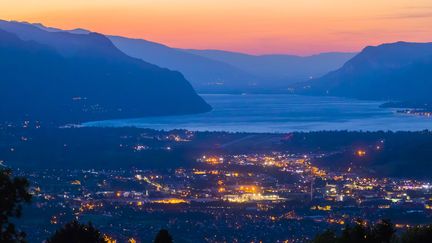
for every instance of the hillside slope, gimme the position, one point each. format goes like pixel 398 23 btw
pixel 205 74
pixel 90 81
pixel 279 70
pixel 397 71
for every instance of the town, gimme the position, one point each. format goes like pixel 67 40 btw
pixel 276 196
pixel 216 186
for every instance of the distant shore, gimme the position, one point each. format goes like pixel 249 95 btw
pixel 411 108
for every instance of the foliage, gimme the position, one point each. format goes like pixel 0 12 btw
pixel 328 236
pixel 417 234
pixel 163 237
pixel 14 194
pixel 74 232
pixel 382 232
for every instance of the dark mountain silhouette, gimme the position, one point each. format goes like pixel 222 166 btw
pixel 397 71
pixel 279 70
pixel 64 77
pixel 205 74
pixel 221 70
pixel 214 70
pixel 67 44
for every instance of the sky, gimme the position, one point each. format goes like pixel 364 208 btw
pixel 301 27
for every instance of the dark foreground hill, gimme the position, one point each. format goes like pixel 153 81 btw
pixel 64 77
pixel 398 71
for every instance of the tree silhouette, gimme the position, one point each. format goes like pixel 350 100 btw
pixel 163 237
pixel 74 232
pixel 13 194
pixel 417 234
pixel 328 236
pixel 381 232
pixel 357 234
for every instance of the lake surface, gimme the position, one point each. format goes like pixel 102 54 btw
pixel 282 113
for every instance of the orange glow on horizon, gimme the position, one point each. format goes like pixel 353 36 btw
pixel 253 26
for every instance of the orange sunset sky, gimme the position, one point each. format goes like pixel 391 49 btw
pixel 253 26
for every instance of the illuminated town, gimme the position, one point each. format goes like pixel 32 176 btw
pixel 216 121
pixel 277 196
pixel 216 187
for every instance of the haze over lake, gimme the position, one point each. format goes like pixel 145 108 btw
pixel 282 113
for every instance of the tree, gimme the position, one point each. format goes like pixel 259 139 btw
pixel 74 232
pixel 163 237
pixel 14 194
pixel 359 233
pixel 383 232
pixel 417 234
pixel 328 236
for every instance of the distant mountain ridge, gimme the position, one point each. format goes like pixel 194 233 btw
pixel 60 76
pixel 395 71
pixel 204 74
pixel 279 70
pixel 223 71
pixel 66 43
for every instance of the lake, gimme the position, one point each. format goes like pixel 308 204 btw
pixel 282 113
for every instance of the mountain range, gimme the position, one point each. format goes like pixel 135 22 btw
pixel 223 71
pixel 397 71
pixel 278 71
pixel 62 76
pixel 91 76
pixel 204 74
pixel 215 70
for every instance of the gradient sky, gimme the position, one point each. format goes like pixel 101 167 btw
pixel 252 26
